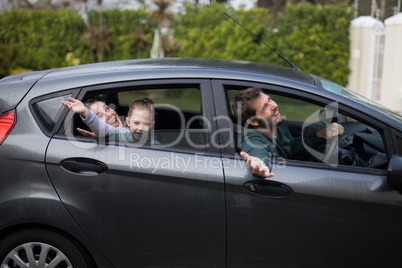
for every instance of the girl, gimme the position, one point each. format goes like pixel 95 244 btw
pixel 139 120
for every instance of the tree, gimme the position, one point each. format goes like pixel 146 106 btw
pixel 141 39
pixel 275 6
pixel 162 13
pixel 164 17
pixel 97 38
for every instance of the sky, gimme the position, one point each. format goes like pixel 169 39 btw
pixel 247 4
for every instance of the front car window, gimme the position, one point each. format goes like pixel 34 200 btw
pixel 360 145
pixel 335 88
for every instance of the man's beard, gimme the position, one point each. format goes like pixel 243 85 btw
pixel 273 125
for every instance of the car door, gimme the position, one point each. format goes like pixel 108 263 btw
pixel 141 205
pixel 309 214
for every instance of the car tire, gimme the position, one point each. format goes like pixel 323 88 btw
pixel 40 248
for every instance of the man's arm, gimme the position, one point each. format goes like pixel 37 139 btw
pixel 316 139
pixel 333 130
pixel 257 166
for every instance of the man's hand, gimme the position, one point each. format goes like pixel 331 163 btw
pixel 333 130
pixel 256 165
pixel 76 106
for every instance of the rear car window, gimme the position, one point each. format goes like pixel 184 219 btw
pixel 47 111
pixel 178 121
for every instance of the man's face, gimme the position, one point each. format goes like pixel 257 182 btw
pixel 267 113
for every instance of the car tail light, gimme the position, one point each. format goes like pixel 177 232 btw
pixel 7 122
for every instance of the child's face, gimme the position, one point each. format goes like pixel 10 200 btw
pixel 139 121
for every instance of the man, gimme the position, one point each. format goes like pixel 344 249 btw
pixel 271 137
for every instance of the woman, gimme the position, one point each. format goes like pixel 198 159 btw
pixel 104 112
pixel 102 120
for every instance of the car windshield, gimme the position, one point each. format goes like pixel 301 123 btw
pixel 333 87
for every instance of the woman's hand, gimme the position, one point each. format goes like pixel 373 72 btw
pixel 76 106
pixel 86 133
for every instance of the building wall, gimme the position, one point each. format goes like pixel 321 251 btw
pixel 362 32
pixel 391 86
pixel 376 62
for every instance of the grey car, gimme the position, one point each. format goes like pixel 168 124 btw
pixel 69 200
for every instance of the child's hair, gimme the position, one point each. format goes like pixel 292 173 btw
pixel 143 104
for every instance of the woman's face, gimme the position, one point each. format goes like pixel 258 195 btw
pixel 106 114
pixel 139 121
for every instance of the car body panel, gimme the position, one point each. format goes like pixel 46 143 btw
pixel 327 219
pixel 174 196
pixel 27 196
pixel 149 208
pixel 325 215
pixel 13 88
pixel 184 64
pixel 193 208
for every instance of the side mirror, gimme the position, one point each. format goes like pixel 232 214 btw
pixel 394 173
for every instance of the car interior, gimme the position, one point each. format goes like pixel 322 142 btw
pixel 360 145
pixel 172 124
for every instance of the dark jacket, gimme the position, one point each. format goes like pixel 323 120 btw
pixel 284 145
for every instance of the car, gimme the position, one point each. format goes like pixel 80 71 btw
pixel 69 200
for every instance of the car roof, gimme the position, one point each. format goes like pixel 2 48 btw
pixel 14 87
pixel 65 78
pixel 186 65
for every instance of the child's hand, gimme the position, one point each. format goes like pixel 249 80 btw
pixel 76 106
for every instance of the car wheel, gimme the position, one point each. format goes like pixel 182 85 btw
pixel 40 248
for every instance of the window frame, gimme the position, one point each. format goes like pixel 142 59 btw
pixel 220 88
pixel 61 113
pixel 207 110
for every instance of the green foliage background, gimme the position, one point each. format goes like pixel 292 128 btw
pixel 123 25
pixel 313 37
pixel 38 39
pixel 316 39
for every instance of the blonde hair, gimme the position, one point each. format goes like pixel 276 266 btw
pixel 142 104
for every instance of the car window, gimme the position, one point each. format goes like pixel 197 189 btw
pixel 47 111
pixel 335 88
pixel 360 145
pixel 292 109
pixel 178 118
pixel 181 98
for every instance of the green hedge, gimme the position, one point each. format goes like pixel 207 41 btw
pixel 314 37
pixel 207 32
pixel 39 39
pixel 123 26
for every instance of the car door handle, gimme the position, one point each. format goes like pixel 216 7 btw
pixel 268 188
pixel 84 166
